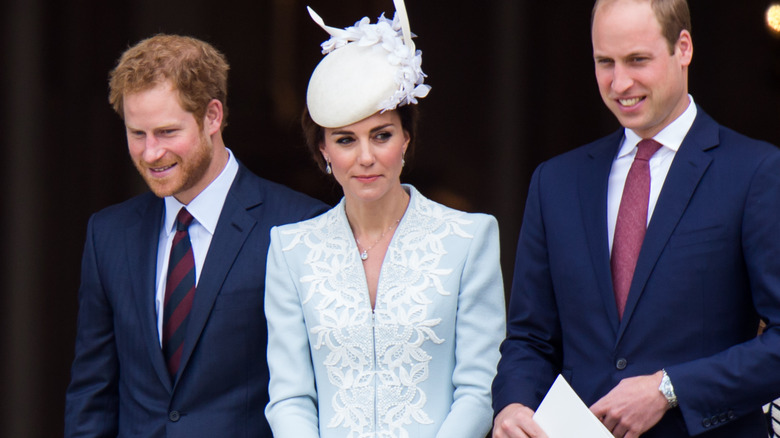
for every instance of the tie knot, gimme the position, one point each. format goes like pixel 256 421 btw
pixel 646 148
pixel 183 220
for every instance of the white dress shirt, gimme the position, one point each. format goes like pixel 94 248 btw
pixel 205 208
pixel 670 138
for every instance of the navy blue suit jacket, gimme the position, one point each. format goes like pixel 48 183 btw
pixel 708 269
pixel 119 384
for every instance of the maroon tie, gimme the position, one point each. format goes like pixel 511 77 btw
pixel 631 222
pixel 179 292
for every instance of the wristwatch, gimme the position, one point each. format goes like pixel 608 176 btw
pixel 667 390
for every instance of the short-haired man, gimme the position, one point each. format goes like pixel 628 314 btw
pixel 647 258
pixel 171 335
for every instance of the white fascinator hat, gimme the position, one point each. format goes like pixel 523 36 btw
pixel 368 68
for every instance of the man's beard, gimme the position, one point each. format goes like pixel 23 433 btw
pixel 189 174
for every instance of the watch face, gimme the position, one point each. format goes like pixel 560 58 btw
pixel 667 390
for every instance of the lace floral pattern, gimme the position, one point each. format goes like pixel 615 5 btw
pixel 376 360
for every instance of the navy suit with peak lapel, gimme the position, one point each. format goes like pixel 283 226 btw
pixel 119 384
pixel 708 269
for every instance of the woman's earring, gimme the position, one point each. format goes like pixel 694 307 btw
pixel 403 162
pixel 328 169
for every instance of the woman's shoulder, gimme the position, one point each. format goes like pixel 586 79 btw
pixel 319 223
pixel 430 208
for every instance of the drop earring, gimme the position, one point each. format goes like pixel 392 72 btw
pixel 328 169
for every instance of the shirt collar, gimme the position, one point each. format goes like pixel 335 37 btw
pixel 670 137
pixel 207 206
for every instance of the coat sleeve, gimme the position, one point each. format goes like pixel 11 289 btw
pixel 531 353
pixel 717 389
pixel 292 409
pixel 92 398
pixel 479 328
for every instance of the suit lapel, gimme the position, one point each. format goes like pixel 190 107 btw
pixel 594 179
pixel 142 240
pixel 689 165
pixel 233 228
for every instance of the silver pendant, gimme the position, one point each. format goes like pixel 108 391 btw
pixel 364 255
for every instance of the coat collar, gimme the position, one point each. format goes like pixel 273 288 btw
pixel 141 240
pixel 690 163
pixel 689 166
pixel 594 179
pixel 234 226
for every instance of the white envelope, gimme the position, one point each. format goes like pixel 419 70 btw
pixel 562 414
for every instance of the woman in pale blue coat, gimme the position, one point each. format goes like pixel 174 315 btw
pixel 385 314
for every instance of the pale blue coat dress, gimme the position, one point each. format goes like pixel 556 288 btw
pixel 421 364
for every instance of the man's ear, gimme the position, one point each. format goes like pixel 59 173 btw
pixel 684 47
pixel 212 120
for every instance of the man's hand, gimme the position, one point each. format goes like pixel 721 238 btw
pixel 516 421
pixel 632 407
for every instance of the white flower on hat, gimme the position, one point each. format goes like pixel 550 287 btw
pixel 337 95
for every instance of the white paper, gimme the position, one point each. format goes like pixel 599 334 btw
pixel 562 414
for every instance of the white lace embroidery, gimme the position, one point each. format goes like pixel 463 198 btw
pixel 376 360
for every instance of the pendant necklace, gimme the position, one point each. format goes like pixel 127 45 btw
pixel 364 253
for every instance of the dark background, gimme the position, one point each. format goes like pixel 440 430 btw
pixel 513 85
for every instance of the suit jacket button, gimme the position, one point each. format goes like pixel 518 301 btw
pixel 174 416
pixel 714 420
pixel 732 415
pixel 724 417
pixel 621 364
pixel 706 422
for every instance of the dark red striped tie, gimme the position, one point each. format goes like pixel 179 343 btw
pixel 179 292
pixel 631 222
